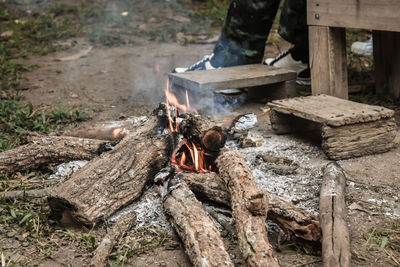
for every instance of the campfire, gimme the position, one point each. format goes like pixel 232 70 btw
pixel 182 153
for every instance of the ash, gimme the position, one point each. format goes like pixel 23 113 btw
pixel 65 170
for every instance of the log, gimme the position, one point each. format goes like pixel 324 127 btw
pixel 249 209
pixel 112 237
pixel 43 150
pixel 332 208
pixel 209 186
pixel 202 241
pixel 113 179
pixel 202 130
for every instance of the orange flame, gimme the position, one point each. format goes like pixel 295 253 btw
pixel 190 157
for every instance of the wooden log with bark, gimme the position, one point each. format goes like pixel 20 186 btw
pixel 114 179
pixel 249 209
pixel 203 243
pixel 42 150
pixel 209 186
pixel 332 209
pixel 114 234
pixel 203 131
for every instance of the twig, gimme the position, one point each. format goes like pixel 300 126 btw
pixel 308 263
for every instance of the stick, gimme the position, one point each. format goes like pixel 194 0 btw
pixel 249 209
pixel 332 208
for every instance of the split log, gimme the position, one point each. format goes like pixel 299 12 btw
pixel 332 209
pixel 114 179
pixel 203 243
pixel 290 218
pixel 43 150
pixel 114 234
pixel 203 131
pixel 249 209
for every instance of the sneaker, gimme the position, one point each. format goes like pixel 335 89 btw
pixel 362 48
pixel 204 64
pixel 286 61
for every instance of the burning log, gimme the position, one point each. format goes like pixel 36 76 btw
pixel 332 209
pixel 116 232
pixel 202 240
pixel 43 150
pixel 249 209
pixel 290 218
pixel 203 131
pixel 114 179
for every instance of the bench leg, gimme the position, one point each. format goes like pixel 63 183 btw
pixel 387 63
pixel 328 61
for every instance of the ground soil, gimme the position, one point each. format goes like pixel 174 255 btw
pixel 119 82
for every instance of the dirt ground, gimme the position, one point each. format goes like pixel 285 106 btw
pixel 126 81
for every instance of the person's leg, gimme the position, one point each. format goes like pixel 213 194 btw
pixel 293 28
pixel 245 32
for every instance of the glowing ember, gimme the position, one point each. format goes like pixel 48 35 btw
pixel 191 157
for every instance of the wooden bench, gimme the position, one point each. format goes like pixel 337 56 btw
pixel 346 129
pixel 327 20
pixel 259 80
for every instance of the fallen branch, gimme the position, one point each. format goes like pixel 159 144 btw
pixel 18 194
pixel 203 243
pixel 249 209
pixel 48 149
pixel 112 237
pixel 332 209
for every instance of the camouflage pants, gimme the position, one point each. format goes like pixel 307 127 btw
pixel 248 24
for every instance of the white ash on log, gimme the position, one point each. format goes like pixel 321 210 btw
pixel 332 209
pixel 249 209
pixel 114 179
pixel 209 186
pixel 203 243
pixel 43 150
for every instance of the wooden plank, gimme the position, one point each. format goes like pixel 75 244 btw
pixel 328 61
pixel 358 139
pixel 232 77
pixel 330 110
pixel 366 14
pixel 387 63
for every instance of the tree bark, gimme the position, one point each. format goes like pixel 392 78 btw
pixel 203 131
pixel 203 243
pixel 249 209
pixel 48 149
pixel 114 179
pixel 112 237
pixel 209 186
pixel 332 209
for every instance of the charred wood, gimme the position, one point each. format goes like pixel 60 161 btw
pixel 249 209
pixel 113 179
pixel 203 243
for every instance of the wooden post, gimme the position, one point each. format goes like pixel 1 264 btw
pixel 387 63
pixel 328 61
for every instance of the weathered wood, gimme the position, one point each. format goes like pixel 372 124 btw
pixel 232 77
pixel 387 63
pixel 202 130
pixel 249 209
pixel 358 139
pixel 328 61
pixel 18 194
pixel 114 234
pixel 203 243
pixel 114 179
pixel 44 150
pixel 330 110
pixel 332 209
pixel 211 187
pixel 366 14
